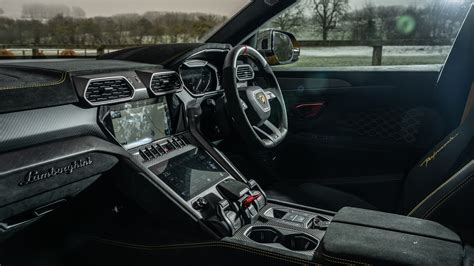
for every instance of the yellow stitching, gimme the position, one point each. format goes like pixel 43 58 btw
pixel 338 262
pixel 207 244
pixel 234 247
pixel 437 189
pixel 61 80
pixel 435 153
pixel 346 260
pixel 442 201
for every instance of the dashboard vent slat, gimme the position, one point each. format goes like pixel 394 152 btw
pixel 245 72
pixel 106 90
pixel 162 82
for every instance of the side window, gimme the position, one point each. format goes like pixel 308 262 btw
pixel 363 32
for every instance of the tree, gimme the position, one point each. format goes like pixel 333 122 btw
pixel 1 11
pixel 78 12
pixel 290 20
pixel 204 24
pixel 363 22
pixel 69 27
pixel 328 13
pixel 140 29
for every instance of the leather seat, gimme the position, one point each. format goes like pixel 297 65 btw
pixel 438 188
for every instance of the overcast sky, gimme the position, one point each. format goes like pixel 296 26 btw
pixel 12 8
pixel 360 3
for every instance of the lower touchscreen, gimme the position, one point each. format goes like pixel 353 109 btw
pixel 190 173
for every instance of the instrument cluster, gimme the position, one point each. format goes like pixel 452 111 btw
pixel 199 77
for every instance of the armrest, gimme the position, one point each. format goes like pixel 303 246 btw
pixel 395 222
pixel 360 236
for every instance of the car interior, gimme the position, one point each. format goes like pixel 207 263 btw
pixel 205 154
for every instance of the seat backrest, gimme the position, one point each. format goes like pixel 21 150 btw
pixel 443 175
pixel 455 78
pixel 437 167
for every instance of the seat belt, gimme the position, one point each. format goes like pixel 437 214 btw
pixel 469 103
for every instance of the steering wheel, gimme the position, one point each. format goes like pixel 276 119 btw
pixel 250 107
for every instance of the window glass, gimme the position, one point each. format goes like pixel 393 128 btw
pixel 380 32
pixel 66 28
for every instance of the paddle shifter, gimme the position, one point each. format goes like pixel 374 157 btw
pixel 240 205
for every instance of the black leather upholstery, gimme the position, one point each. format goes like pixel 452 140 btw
pixel 438 188
pixel 442 162
pixel 439 178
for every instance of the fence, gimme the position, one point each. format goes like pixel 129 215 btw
pixel 377 45
pixel 61 50
pixel 56 51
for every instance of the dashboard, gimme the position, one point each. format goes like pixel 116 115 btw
pixel 80 118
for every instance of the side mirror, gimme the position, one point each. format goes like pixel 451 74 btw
pixel 278 47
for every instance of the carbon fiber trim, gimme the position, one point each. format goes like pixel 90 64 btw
pixel 273 222
pixel 26 128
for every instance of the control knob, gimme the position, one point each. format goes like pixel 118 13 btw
pixel 200 204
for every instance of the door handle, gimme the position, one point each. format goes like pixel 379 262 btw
pixel 308 110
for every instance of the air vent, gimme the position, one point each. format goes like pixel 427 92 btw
pixel 162 82
pixel 245 72
pixel 107 90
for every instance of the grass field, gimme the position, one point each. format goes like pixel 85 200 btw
pixel 334 61
pixel 362 56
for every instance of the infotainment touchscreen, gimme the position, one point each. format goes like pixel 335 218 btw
pixel 141 122
pixel 190 173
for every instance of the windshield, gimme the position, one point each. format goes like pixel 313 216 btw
pixel 64 28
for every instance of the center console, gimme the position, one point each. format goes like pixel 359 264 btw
pixel 200 181
pixel 204 184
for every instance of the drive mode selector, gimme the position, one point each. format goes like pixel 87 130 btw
pixel 245 202
pixel 250 199
pixel 200 204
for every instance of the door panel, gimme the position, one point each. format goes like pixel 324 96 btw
pixel 358 126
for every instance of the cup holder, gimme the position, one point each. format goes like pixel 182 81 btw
pixel 291 241
pixel 299 242
pixel 265 235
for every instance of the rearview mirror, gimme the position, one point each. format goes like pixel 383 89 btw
pixel 278 47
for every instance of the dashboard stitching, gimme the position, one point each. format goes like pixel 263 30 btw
pixel 61 80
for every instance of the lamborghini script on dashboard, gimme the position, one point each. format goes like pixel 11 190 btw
pixel 36 176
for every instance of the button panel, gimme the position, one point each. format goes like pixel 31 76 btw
pixel 155 150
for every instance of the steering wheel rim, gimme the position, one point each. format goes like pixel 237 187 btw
pixel 258 129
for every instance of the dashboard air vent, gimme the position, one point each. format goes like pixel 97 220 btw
pixel 245 72
pixel 106 90
pixel 164 82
